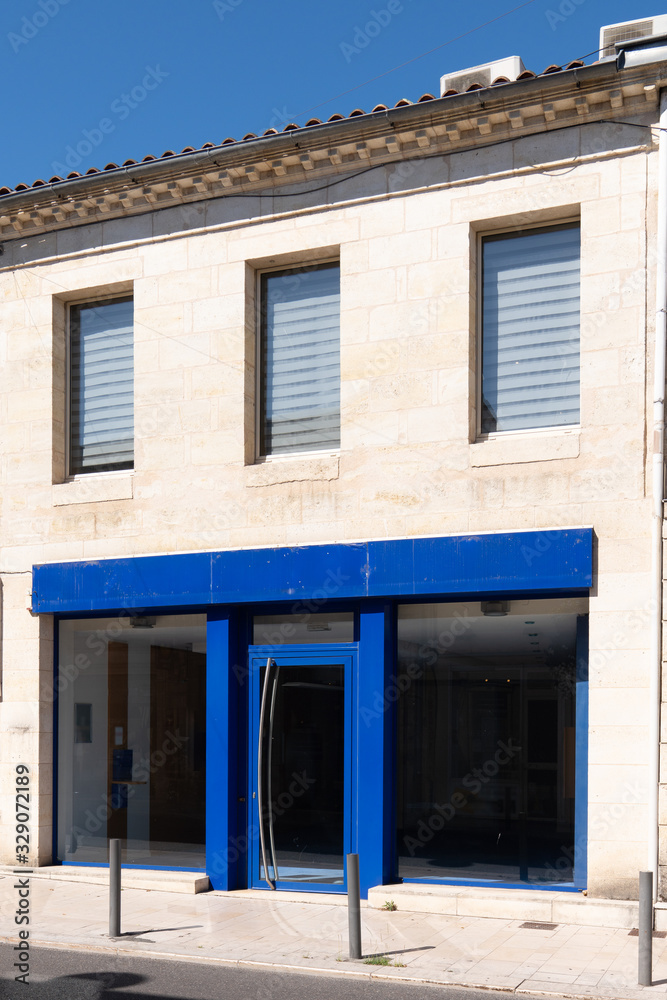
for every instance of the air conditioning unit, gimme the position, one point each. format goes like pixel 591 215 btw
pixel 612 34
pixel 484 75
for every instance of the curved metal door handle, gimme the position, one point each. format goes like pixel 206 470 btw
pixel 260 799
pixel 276 876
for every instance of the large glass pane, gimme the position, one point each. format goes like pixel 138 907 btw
pixel 486 742
pixel 303 794
pixel 131 739
pixel 281 630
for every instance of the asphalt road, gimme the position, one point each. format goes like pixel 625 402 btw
pixel 58 974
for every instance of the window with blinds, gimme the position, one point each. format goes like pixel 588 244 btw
pixel 300 360
pixel 530 329
pixel 101 386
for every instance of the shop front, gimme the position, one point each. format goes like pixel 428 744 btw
pixel 259 714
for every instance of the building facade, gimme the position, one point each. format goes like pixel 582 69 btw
pixel 328 496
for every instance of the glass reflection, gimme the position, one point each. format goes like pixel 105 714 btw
pixel 486 744
pixel 131 744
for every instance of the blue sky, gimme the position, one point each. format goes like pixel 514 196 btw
pixel 87 82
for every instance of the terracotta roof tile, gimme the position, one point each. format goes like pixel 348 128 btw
pixel 291 127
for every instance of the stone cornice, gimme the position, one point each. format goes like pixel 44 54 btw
pixel 317 153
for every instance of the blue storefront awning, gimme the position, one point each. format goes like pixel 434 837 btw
pixel 551 562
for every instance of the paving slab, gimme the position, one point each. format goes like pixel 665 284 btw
pixel 272 930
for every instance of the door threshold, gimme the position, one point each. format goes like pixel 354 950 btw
pixel 289 896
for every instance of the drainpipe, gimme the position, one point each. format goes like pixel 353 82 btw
pixel 658 449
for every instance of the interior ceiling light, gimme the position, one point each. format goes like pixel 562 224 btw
pixel 139 622
pixel 495 609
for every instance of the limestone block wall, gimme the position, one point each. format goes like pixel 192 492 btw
pixel 410 461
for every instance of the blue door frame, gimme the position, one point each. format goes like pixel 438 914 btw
pixel 302 655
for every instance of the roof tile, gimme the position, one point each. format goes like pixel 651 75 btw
pixel 291 126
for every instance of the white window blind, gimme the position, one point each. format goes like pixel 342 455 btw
pixel 300 377
pixel 530 329
pixel 101 387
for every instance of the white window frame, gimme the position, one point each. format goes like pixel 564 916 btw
pixel 516 230
pixel 88 300
pixel 289 265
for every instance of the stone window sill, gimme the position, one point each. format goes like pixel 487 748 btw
pixel 93 489
pixel 515 449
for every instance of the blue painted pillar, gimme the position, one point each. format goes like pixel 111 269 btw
pixel 581 758
pixel 226 683
pixel 373 753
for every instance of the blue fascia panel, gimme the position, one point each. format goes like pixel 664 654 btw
pixel 456 566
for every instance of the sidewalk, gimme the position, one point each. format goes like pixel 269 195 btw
pixel 241 928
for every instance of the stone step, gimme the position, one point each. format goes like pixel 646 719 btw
pixel 514 904
pixel 131 878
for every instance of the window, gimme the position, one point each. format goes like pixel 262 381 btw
pixel 101 380
pixel 300 360
pixel 530 329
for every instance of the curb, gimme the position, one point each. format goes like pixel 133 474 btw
pixel 285 967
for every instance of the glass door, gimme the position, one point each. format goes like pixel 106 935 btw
pixel 300 772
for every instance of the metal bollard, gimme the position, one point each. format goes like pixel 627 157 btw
pixel 645 929
pixel 354 905
pixel 114 888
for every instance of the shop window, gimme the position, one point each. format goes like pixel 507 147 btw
pixel 101 386
pixel 485 755
pixel 299 380
pixel 306 627
pixel 131 740
pixel 530 329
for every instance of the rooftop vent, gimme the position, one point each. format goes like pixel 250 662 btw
pixel 483 75
pixel 626 31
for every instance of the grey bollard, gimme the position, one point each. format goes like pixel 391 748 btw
pixel 645 929
pixel 114 888
pixel 354 905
